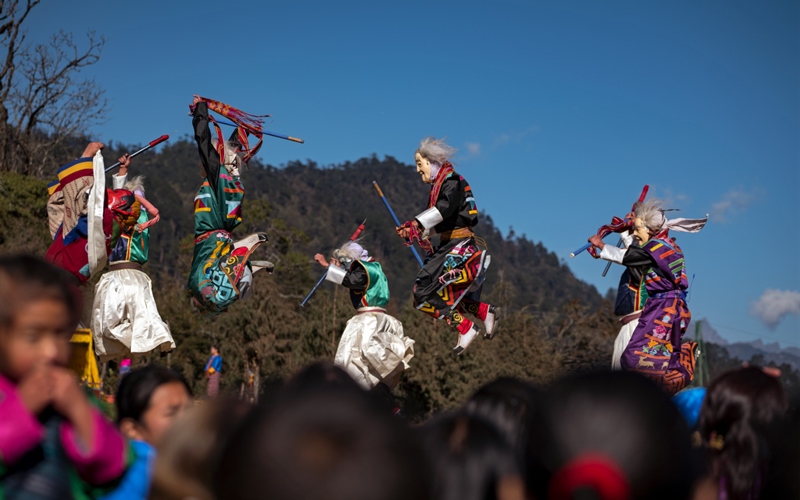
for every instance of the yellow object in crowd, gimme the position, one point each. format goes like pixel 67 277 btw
pixel 82 360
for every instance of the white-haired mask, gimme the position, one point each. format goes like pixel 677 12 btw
pixel 651 221
pixel 349 252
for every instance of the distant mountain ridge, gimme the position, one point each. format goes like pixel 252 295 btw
pixel 745 351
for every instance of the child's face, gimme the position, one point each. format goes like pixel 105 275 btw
pixel 39 334
pixel 167 403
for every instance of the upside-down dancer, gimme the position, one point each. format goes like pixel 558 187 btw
pixel 125 318
pixel 658 273
pixel 222 271
pixel 373 348
pixel 450 282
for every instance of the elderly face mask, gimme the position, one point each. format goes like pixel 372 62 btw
pixel 640 231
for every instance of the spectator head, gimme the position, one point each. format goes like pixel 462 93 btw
pixel 325 441
pixel 149 400
pixel 322 374
pixel 39 310
pixel 214 350
pixel 471 460
pixel 612 435
pixel 741 408
pixel 189 455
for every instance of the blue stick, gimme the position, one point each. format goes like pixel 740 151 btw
pixel 305 300
pixel 273 134
pixel 581 249
pixel 396 220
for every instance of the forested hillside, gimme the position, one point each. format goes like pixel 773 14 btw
pixel 551 321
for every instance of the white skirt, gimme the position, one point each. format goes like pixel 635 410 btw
pixel 623 338
pixel 125 319
pixel 373 349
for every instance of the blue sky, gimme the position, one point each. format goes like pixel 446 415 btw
pixel 561 112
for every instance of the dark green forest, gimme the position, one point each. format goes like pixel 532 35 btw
pixel 551 323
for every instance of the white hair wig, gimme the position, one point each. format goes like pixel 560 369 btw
pixel 233 157
pixel 135 185
pixel 350 251
pixel 435 150
pixel 651 213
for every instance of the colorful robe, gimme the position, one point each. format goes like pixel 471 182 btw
pixel 219 263
pixel 656 349
pixel 373 348
pixel 453 273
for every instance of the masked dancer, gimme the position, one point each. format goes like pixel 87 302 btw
pixel 450 282
pixel 658 274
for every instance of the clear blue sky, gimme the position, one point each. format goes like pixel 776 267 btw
pixel 561 112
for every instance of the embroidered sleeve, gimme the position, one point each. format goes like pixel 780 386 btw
pixel 99 462
pixel 19 429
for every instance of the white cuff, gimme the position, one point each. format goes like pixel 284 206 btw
pixel 429 217
pixel 627 238
pixel 612 253
pixel 118 181
pixel 335 274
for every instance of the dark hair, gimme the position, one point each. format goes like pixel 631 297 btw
pixel 739 410
pixel 322 374
pixel 24 279
pixel 623 419
pixel 469 456
pixel 189 455
pixel 509 404
pixel 137 387
pixel 316 442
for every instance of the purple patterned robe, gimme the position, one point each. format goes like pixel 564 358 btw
pixel 655 349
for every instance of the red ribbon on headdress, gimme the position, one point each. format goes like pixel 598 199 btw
pixel 246 124
pixel 592 470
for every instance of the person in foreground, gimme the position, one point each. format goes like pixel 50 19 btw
pixel 148 402
pixel 54 443
pixel 740 424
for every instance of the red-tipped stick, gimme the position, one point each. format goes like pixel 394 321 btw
pixel 152 144
pixel 353 237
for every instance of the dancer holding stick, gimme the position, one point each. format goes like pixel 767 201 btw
pixel 449 284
